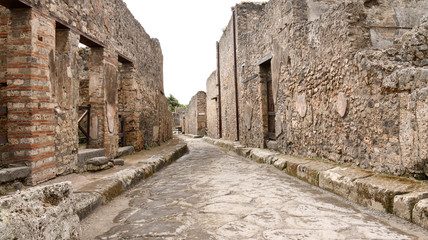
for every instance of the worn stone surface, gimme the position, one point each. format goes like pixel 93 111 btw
pixel 383 193
pixel 98 161
pixel 404 204
pixel 40 213
pixel 213 194
pixel 340 180
pixel 124 151
pixel 420 213
pixel 118 162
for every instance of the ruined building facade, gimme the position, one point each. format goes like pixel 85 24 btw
pixel 42 80
pixel 339 80
pixel 195 119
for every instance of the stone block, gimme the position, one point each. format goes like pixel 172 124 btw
pixel 85 154
pixel 12 174
pixel 420 213
pixel 86 203
pixel 273 145
pixel 107 188
pixel 96 168
pixel 97 161
pixel 280 162
pixel 340 180
pixel 292 165
pixel 404 204
pixel 377 192
pixel 40 213
pixel 262 155
pixel 118 162
pixel 124 151
pixel 310 171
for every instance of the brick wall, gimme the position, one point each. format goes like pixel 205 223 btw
pixel 40 60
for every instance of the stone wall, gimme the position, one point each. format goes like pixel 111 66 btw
pixel 226 71
pixel 178 116
pixel 212 106
pixel 335 81
pixel 120 73
pixel 196 117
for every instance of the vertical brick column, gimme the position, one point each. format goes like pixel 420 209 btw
pixel 4 20
pixel 31 117
pixel 96 97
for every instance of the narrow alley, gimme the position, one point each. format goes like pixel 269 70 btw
pixel 214 194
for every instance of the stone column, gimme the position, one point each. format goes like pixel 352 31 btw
pixel 111 90
pixel 31 116
pixel 96 97
pixel 66 93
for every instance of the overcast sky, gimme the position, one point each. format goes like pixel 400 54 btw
pixel 188 31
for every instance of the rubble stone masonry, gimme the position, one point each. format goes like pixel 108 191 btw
pixel 212 106
pixel 196 117
pixel 43 72
pixel 340 80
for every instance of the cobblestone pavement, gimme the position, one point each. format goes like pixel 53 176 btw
pixel 212 194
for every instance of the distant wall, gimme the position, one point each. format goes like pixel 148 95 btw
pixel 212 106
pixel 196 118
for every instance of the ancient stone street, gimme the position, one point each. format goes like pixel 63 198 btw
pixel 214 194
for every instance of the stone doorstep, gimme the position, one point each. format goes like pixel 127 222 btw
pixel 12 174
pixel 125 151
pixel 403 197
pixel 85 154
pixel 98 161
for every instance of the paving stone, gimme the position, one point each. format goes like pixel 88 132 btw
pixel 212 194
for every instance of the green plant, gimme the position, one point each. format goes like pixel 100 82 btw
pixel 146 147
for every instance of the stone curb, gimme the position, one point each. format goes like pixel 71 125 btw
pixel 98 193
pixel 403 197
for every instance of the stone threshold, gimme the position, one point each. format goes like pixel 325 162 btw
pixel 403 197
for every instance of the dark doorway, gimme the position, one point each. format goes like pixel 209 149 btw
pixel 267 98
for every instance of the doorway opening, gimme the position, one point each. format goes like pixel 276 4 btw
pixel 268 105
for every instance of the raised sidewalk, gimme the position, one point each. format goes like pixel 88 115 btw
pixel 53 209
pixel 403 197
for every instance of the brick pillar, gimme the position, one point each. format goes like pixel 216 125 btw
pixel 96 97
pixel 111 90
pixel 31 117
pixel 4 20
